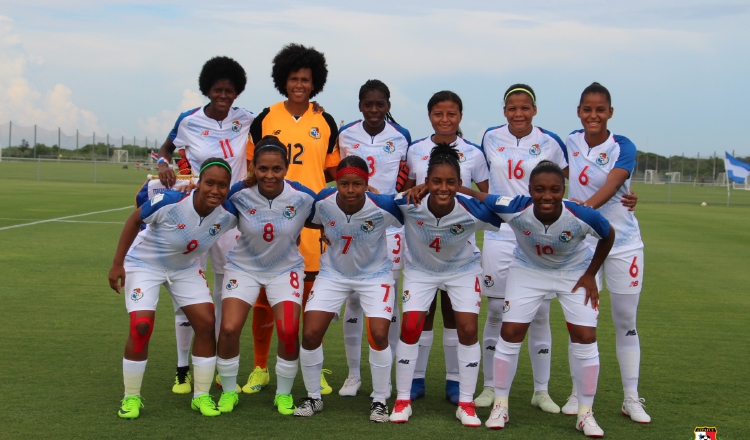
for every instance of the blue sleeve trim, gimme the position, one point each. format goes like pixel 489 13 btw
pixel 589 216
pixel 404 132
pixel 230 208
pixel 183 115
pixel 628 151
pixel 349 125
pixel 558 140
pixel 142 195
pixel 237 187
pixel 168 198
pixel 387 204
pixel 300 187
pixel 417 141
pixel 576 131
pixel 479 210
pixel 507 205
pixel 325 193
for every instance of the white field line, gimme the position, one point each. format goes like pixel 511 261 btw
pixel 65 218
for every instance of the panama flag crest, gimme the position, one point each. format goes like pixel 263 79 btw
pixel 705 433
pixel 737 170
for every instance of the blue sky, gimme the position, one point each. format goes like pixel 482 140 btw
pixel 678 70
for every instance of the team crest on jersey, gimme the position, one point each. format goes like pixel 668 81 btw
pixel 488 281
pixel 603 159
pixel 290 212
pixel 406 296
pixel 355 146
pixel 457 229
pixel 461 157
pixel 506 307
pixel 705 433
pixel 205 133
pixel 231 285
pixel 236 126
pixel 535 150
pixel 389 147
pixel 315 133
pixel 566 236
pixel 368 226
pixel 213 230
pixel 136 295
pixel 181 226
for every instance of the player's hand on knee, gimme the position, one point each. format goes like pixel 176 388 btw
pixel 588 282
pixel 117 278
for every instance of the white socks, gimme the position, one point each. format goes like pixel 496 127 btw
pixel 423 358
pixel 468 357
pixel 203 374
pixel 624 310
pixel 380 368
pixel 312 367
pixel 353 325
pixel 540 347
pixel 132 376
pixel 184 335
pixel 506 363
pixel 450 346
pixel 586 371
pixel 286 371
pixel 406 357
pixel 228 370
pixel 217 294
pixel 490 336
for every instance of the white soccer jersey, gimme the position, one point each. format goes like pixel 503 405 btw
pixel 382 152
pixel 269 228
pixel 589 168
pixel 470 159
pixel 154 187
pixel 441 245
pixel 358 243
pixel 203 137
pixel 177 235
pixel 511 160
pixel 558 246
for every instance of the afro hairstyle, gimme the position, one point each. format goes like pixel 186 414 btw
pixel 294 57
pixel 218 68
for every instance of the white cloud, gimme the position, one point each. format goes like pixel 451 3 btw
pixel 157 125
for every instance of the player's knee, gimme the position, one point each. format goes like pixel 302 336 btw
pixel 140 331
pixel 467 333
pixel 204 324
pixel 311 338
pixel 230 330
pixel 411 327
pixel 513 332
pixel 378 338
pixel 288 328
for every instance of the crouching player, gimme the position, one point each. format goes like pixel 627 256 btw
pixel 551 257
pixel 181 229
pixel 356 261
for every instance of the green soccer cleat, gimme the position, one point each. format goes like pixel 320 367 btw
pixel 227 401
pixel 218 384
pixel 131 407
pixel 206 405
pixel 324 387
pixel 257 381
pixel 284 403
pixel 182 384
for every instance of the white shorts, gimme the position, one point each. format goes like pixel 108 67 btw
pixel 464 290
pixel 396 245
pixel 528 287
pixel 246 286
pixel 186 287
pixel 218 252
pixel 623 270
pixel 497 256
pixel 375 294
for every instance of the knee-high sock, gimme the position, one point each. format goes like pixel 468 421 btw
pixel 312 366
pixel 450 345
pixel 228 370
pixel 540 347
pixel 506 363
pixel 624 311
pixel 132 376
pixel 468 357
pixel 586 360
pixel 262 330
pixel 490 336
pixel 286 371
pixel 395 329
pixel 381 363
pixel 184 334
pixel 423 358
pixel 353 334
pixel 203 374
pixel 218 290
pixel 406 357
pixel 571 365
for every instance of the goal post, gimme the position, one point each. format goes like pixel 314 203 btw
pixel 120 156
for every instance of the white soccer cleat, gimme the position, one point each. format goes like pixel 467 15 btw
pixel 588 425
pixel 571 407
pixel 633 407
pixel 387 396
pixel 401 411
pixel 498 417
pixel 486 398
pixel 350 387
pixel 543 401
pixel 468 415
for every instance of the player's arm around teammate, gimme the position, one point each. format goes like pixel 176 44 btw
pixel 181 229
pixel 356 261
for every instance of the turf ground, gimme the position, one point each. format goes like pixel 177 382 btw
pixel 62 331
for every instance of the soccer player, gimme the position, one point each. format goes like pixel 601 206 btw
pixel 439 253
pixel 220 130
pixel 512 151
pixel 551 257
pixel 445 110
pixel 357 260
pixel 272 213
pixel 181 228
pixel 382 143
pixel 601 166
pixel 299 73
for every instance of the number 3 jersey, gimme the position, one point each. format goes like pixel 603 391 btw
pixel 589 168
pixel 358 246
pixel 558 246
pixel 203 137
pixel 441 245
pixel 177 235
pixel 269 228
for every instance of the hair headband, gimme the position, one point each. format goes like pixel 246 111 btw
pixel 352 170
pixel 520 89
pixel 215 163
pixel 272 145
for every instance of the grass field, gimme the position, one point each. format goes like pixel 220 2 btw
pixel 62 332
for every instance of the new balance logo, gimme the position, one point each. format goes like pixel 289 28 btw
pixel 184 324
pixel 490 347
pixel 403 361
pixel 631 333
pixel 352 320
pixel 393 319
pixel 276 132
pixel 544 351
pixel 472 365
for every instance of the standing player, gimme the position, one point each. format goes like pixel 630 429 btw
pixel 357 261
pixel 181 228
pixel 220 130
pixel 299 73
pixel 551 257
pixel 601 165
pixel 512 151
pixel 445 110
pixel 382 143
pixel 272 214
pixel 439 253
